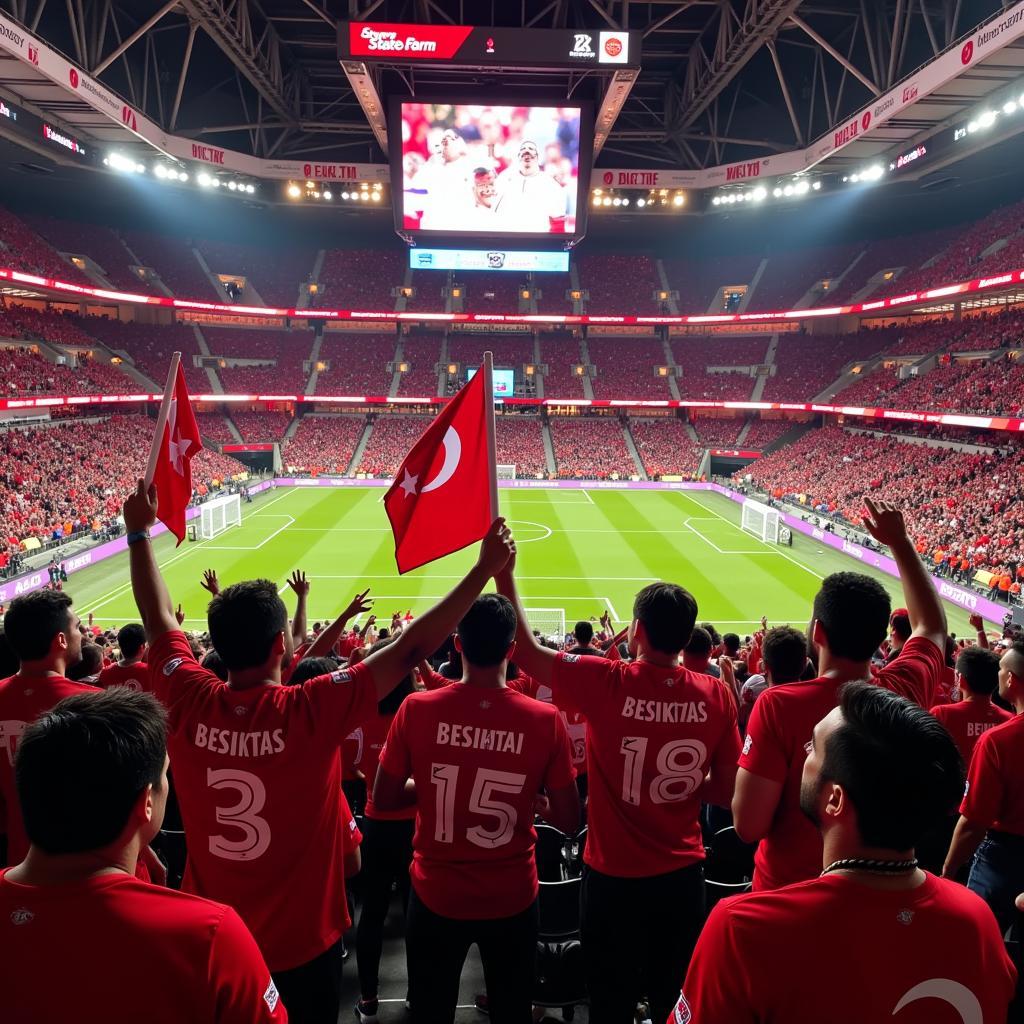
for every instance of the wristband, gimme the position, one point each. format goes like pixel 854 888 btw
pixel 137 535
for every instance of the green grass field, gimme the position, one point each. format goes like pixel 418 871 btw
pixel 583 551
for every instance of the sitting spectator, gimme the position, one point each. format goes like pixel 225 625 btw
pixel 92 786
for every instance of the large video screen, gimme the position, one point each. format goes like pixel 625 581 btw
pixel 504 382
pixel 491 170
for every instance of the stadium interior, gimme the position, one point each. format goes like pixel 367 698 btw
pixel 790 250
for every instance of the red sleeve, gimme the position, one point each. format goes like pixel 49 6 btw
pixel 727 753
pixel 395 758
pixel 582 682
pixel 984 793
pixel 764 752
pixel 524 684
pixel 559 772
pixel 916 672
pixel 434 680
pixel 174 673
pixel 243 991
pixel 754 655
pixel 713 994
pixel 342 701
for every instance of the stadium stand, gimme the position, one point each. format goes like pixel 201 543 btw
pixel 422 352
pixel 390 442
pixel 699 281
pixel 323 444
pixel 590 449
pixel 519 442
pixel 275 273
pixel 24 249
pixel 213 426
pixel 357 363
pixel 807 364
pixel 665 447
pixel 25 372
pixel 489 292
pixel 619 282
pixel 261 426
pixel 625 367
pixel 48 325
pixel 560 352
pixel 101 244
pixel 762 432
pixel 789 275
pixel 175 264
pixel 716 432
pixel 554 287
pixel 71 478
pixel 359 279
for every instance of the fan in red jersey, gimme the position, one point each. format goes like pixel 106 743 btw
pixel 92 782
pixel 131 671
pixel 257 767
pixel 851 616
pixel 660 741
pixel 479 754
pixel 875 938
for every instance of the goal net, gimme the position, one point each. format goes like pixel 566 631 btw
pixel 549 622
pixel 218 514
pixel 761 521
pixel 506 471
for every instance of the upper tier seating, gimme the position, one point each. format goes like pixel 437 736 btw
pixel 275 273
pixel 358 363
pixel 22 248
pixel 359 279
pixel 175 263
pixel 422 352
pixel 625 367
pixel 561 352
pixel 261 426
pixel 619 283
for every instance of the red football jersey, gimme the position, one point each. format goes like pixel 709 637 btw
pixel 931 955
pixel 135 677
pixel 995 779
pixel 167 957
pixel 479 758
pixel 22 700
pixel 258 778
pixel 653 733
pixel 375 733
pixel 775 748
pixel 967 721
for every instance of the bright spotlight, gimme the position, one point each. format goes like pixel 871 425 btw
pixel 140 168
pixel 641 203
pixel 251 189
pixel 679 200
pixel 376 197
pixel 183 176
pixel 364 195
pixel 873 173
pixel 972 127
pixel 607 201
pixel 816 186
pixel 327 194
pixel 987 119
pixel 760 193
pixel 616 201
pixel 788 190
pixel 1009 106
pixel 777 192
pixel 854 177
pixel 625 202
pixel 294 191
pixel 203 179
pixel 311 185
pixel 801 188
pixel 160 171
pixel 716 200
pixel 215 182
pixel 232 186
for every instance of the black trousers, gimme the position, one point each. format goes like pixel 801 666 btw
pixel 638 935
pixel 437 948
pixel 387 853
pixel 311 992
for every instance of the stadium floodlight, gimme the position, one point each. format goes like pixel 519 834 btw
pixel 364 195
pixel 294 191
pixel 625 201
pixel 854 178
pixel 232 186
pixel 873 173
pixel 215 182
pixel 801 188
pixel 816 186
pixel 376 197
pixel 679 200
pixel 327 194
pixel 972 127
pixel 160 171
pixel 760 193
pixel 641 203
pixel 616 201
pixel 607 201
pixel 788 190
pixel 777 192
pixel 205 181
pixel 987 118
pixel 1009 106
pixel 716 200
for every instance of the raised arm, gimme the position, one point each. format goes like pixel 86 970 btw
pixel 152 597
pixel 325 642
pixel 300 587
pixel 531 656
pixel 927 617
pixel 978 624
pixel 427 632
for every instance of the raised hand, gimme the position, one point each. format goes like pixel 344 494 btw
pixel 139 509
pixel 297 581
pixel 497 549
pixel 179 615
pixel 358 605
pixel 977 622
pixel 884 522
pixel 209 582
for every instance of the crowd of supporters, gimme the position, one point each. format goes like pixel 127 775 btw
pixel 626 367
pixel 391 440
pixel 261 426
pixel 356 364
pixel 27 372
pixel 964 508
pixel 590 449
pixel 69 478
pixel 323 444
pixel 665 447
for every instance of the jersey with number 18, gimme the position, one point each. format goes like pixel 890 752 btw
pixel 258 778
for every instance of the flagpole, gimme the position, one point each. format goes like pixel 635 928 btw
pixel 492 458
pixel 161 418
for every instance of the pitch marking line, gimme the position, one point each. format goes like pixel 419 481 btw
pixel 767 546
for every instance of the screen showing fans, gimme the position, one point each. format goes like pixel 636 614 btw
pixel 489 169
pixel 504 382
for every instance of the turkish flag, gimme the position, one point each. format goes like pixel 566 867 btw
pixel 440 500
pixel 173 474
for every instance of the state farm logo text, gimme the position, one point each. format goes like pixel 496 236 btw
pixel 389 42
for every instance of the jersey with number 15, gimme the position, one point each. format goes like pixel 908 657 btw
pixel 258 778
pixel 653 734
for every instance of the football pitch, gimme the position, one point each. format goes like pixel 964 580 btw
pixel 584 551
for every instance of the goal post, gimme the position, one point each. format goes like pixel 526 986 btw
pixel 506 471
pixel 549 622
pixel 218 514
pixel 760 520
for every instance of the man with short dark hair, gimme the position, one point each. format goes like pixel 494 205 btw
pixel 45 632
pixel 478 753
pixel 92 785
pixel 697 653
pixel 257 769
pixel 132 670
pixel 851 616
pixel 661 740
pixel 784 656
pixel 583 634
pixel 875 937
pixel 977 678
pixel 991 825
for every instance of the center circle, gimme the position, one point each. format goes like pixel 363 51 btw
pixel 545 530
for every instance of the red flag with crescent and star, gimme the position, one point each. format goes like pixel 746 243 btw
pixel 173 473
pixel 440 500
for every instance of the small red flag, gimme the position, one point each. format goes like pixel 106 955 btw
pixel 440 500
pixel 173 473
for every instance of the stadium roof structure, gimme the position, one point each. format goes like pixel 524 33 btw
pixel 721 84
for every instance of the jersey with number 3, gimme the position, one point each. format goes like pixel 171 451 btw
pixel 258 777
pixel 479 758
pixel 653 734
